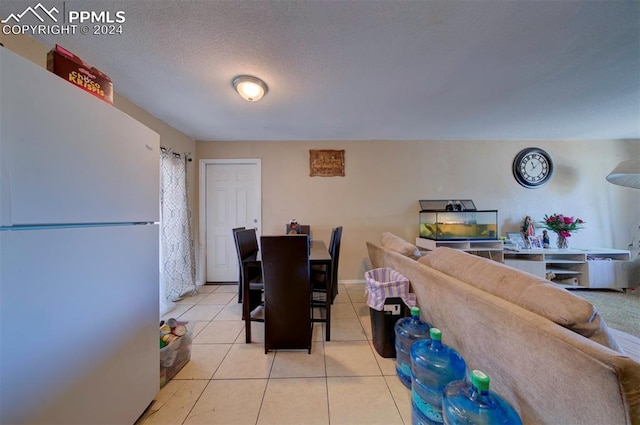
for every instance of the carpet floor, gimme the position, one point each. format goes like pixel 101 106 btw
pixel 619 310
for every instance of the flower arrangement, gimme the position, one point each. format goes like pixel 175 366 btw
pixel 562 225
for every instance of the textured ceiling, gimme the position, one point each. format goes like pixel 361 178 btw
pixel 365 69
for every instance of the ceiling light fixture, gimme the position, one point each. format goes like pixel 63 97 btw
pixel 250 88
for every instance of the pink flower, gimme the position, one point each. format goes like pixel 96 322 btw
pixel 568 220
pixel 564 233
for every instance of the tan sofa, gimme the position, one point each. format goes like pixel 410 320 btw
pixel 547 351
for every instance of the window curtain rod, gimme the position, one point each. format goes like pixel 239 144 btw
pixel 176 154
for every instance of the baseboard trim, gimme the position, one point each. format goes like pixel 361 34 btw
pixel 347 281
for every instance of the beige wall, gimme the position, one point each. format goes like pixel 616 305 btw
pixel 385 179
pixel 169 136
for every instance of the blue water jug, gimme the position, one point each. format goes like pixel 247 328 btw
pixel 433 366
pixel 468 403
pixel 408 330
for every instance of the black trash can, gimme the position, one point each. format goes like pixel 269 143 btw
pixel 386 307
pixel 383 325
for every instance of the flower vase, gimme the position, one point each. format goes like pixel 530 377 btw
pixel 562 242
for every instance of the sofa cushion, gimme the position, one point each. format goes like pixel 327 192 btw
pixel 396 243
pixel 525 290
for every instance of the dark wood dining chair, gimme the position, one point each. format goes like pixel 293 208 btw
pixel 233 231
pixel 319 273
pixel 335 260
pixel 321 280
pixel 250 276
pixel 287 305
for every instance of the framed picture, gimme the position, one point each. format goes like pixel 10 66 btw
pixel 326 163
pixel 534 242
pixel 518 239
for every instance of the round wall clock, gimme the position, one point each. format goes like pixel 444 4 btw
pixel 532 168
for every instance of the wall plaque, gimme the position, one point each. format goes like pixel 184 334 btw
pixel 326 163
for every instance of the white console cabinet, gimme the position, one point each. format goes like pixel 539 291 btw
pixel 587 268
pixel 570 268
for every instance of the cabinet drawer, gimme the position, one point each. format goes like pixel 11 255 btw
pixel 614 274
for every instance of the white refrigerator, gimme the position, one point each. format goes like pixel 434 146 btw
pixel 79 193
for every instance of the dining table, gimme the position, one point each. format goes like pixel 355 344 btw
pixel 318 255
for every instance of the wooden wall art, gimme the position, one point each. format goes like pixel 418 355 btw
pixel 326 163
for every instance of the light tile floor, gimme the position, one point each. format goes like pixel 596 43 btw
pixel 343 381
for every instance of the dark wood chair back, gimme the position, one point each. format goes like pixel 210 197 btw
pixel 285 273
pixel 247 242
pixel 235 241
pixel 334 250
pixel 247 246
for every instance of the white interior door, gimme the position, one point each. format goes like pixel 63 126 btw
pixel 232 194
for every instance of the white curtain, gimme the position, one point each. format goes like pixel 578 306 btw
pixel 177 256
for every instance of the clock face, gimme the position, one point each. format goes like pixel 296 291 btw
pixel 532 167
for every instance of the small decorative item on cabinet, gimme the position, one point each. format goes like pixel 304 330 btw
pixel 562 242
pixel 545 239
pixel 527 227
pixel 534 242
pixel 563 226
pixel 517 239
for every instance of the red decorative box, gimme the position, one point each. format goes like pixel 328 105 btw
pixel 73 69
